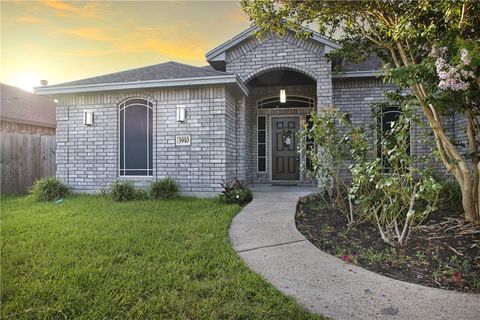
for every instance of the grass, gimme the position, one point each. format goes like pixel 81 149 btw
pixel 92 258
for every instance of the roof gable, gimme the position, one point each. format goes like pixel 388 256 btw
pixel 217 56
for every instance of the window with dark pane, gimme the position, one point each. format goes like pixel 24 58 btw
pixel 262 144
pixel 385 121
pixel 309 144
pixel 136 138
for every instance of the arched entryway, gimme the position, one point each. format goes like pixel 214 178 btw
pixel 280 101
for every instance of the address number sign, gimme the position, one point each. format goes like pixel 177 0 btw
pixel 184 140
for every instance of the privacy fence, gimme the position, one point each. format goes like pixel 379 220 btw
pixel 25 158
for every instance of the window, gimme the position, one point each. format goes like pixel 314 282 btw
pixel 291 102
pixel 386 119
pixel 309 144
pixel 136 143
pixel 262 144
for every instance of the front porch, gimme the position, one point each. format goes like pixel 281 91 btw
pixel 278 106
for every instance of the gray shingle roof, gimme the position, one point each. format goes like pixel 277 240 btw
pixel 167 70
pixel 372 64
pixel 21 106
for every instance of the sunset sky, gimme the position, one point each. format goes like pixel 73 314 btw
pixel 65 40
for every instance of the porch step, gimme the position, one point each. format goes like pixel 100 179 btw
pixel 285 183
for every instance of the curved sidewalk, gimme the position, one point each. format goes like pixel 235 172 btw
pixel 265 237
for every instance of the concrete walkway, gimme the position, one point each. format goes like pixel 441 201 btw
pixel 265 237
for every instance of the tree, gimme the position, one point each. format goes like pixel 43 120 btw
pixel 430 46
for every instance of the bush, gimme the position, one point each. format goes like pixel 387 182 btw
pixel 49 189
pixel 123 191
pixel 450 195
pixel 165 188
pixel 236 191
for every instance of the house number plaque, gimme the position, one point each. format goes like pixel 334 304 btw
pixel 184 140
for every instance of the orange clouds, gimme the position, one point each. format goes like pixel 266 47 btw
pixel 64 9
pixel 87 33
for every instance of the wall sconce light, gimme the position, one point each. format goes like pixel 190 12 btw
pixel 283 96
pixel 88 117
pixel 180 113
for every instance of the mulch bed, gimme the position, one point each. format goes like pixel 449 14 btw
pixel 438 254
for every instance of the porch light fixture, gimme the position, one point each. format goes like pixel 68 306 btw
pixel 88 117
pixel 283 96
pixel 180 113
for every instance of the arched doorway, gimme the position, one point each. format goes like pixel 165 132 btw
pixel 280 102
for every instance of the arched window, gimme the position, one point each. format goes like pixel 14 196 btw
pixel 136 142
pixel 291 102
pixel 386 118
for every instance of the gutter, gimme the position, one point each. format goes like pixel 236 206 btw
pixel 358 74
pixel 131 85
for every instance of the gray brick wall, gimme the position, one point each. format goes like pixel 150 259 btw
pixel 87 157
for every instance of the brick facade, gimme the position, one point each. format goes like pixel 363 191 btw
pixel 87 156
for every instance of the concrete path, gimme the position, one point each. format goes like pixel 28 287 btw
pixel 265 237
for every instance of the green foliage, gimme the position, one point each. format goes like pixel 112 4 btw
pixel 49 189
pixel 92 258
pixel 235 192
pixel 400 196
pixel 450 196
pixel 123 191
pixel 165 188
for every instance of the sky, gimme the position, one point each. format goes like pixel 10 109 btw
pixel 62 41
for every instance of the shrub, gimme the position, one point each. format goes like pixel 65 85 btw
pixel 235 191
pixel 165 188
pixel 49 189
pixel 451 195
pixel 123 191
pixel 393 193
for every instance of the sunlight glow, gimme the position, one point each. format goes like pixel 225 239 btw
pixel 27 80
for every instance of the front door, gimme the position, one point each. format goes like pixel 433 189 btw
pixel 285 160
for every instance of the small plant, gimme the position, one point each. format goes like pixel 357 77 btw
pixel 236 191
pixel 165 188
pixel 123 191
pixel 49 189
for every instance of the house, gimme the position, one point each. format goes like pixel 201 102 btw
pixel 25 112
pixel 236 117
pixel 27 138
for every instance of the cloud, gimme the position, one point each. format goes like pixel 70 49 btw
pixel 186 48
pixel 87 33
pixel 31 20
pixel 71 53
pixel 66 9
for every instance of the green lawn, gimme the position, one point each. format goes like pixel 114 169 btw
pixel 92 258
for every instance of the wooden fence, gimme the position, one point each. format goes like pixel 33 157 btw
pixel 25 158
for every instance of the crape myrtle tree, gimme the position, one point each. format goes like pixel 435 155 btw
pixel 429 46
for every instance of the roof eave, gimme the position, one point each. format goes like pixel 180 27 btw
pixel 359 74
pixel 162 83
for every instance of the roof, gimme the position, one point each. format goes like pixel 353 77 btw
pixel 218 53
pixel 368 68
pixel 21 106
pixel 168 74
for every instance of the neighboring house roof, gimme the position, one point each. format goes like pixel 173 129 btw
pixel 168 74
pixel 21 106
